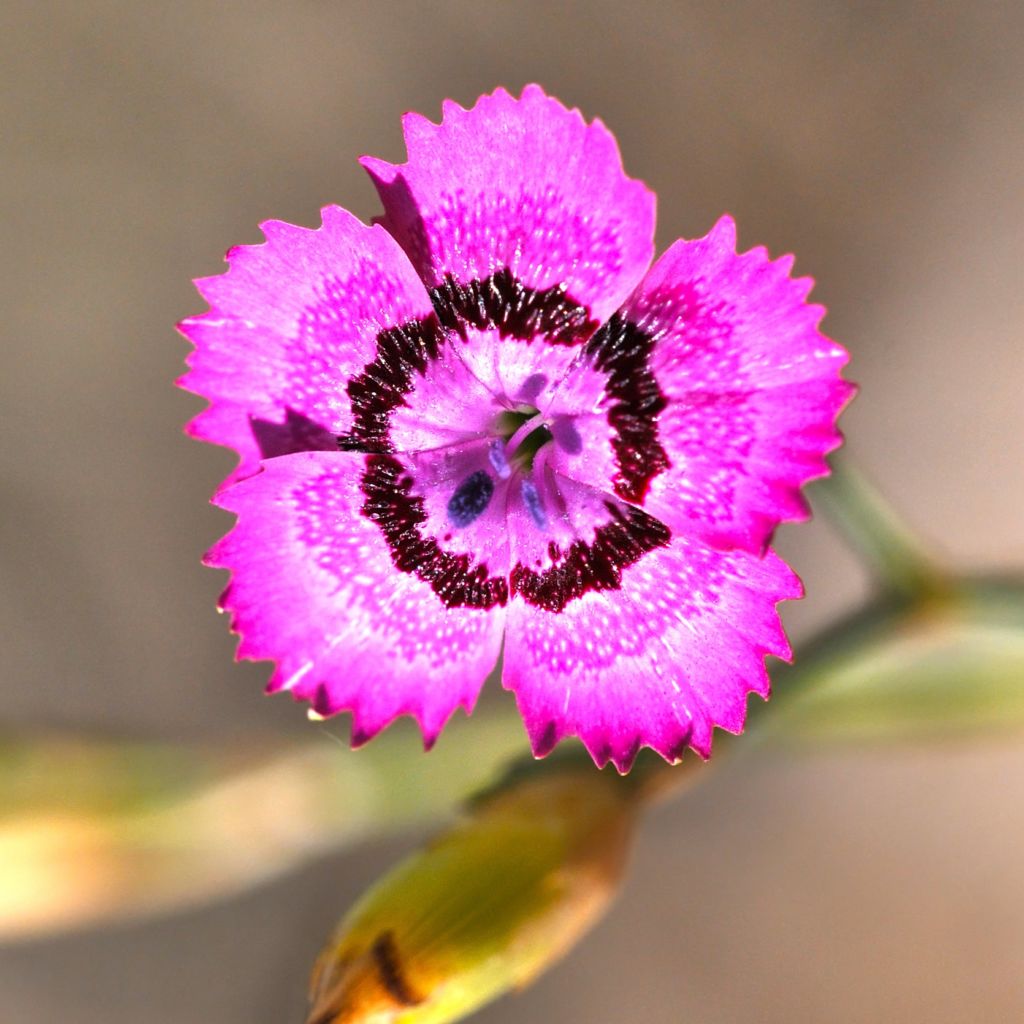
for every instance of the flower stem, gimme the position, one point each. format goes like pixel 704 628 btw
pixel 877 533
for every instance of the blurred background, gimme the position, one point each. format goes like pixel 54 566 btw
pixel 882 143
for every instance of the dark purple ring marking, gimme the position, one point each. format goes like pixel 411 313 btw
pixel 630 535
pixel 399 513
pixel 623 351
pixel 501 302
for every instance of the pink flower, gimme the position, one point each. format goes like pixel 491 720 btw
pixel 487 420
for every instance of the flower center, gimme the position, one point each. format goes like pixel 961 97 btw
pixel 524 433
pixel 474 508
pixel 521 433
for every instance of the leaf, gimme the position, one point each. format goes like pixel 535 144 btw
pixel 950 668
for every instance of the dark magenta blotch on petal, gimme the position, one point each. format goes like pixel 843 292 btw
pixel 400 515
pixel 623 351
pixel 596 566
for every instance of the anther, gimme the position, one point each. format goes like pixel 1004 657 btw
pixel 496 454
pixel 470 499
pixel 532 387
pixel 531 499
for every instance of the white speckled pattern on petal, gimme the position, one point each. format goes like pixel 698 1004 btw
pixel 524 184
pixel 290 323
pixel 752 388
pixel 313 587
pixel 660 662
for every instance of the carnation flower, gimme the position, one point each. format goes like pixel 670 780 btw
pixel 487 422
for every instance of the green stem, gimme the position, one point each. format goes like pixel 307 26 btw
pixel 877 533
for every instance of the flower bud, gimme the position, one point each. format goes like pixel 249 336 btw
pixel 485 907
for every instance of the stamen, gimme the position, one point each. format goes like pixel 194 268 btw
pixel 531 499
pixel 470 499
pixel 566 436
pixel 545 482
pixel 524 431
pixel 496 454
pixel 529 439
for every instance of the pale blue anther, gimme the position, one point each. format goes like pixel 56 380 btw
pixel 566 436
pixel 531 499
pixel 499 461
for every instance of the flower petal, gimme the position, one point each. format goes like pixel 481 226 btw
pixel 720 394
pixel 463 498
pixel 659 662
pixel 315 588
pixel 291 321
pixel 522 184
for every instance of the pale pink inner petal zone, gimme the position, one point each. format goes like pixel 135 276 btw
pixel 449 378
pixel 314 587
pixel 520 185
pixel 582 541
pixel 291 322
pixel 448 404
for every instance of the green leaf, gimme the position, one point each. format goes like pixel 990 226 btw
pixel 947 668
